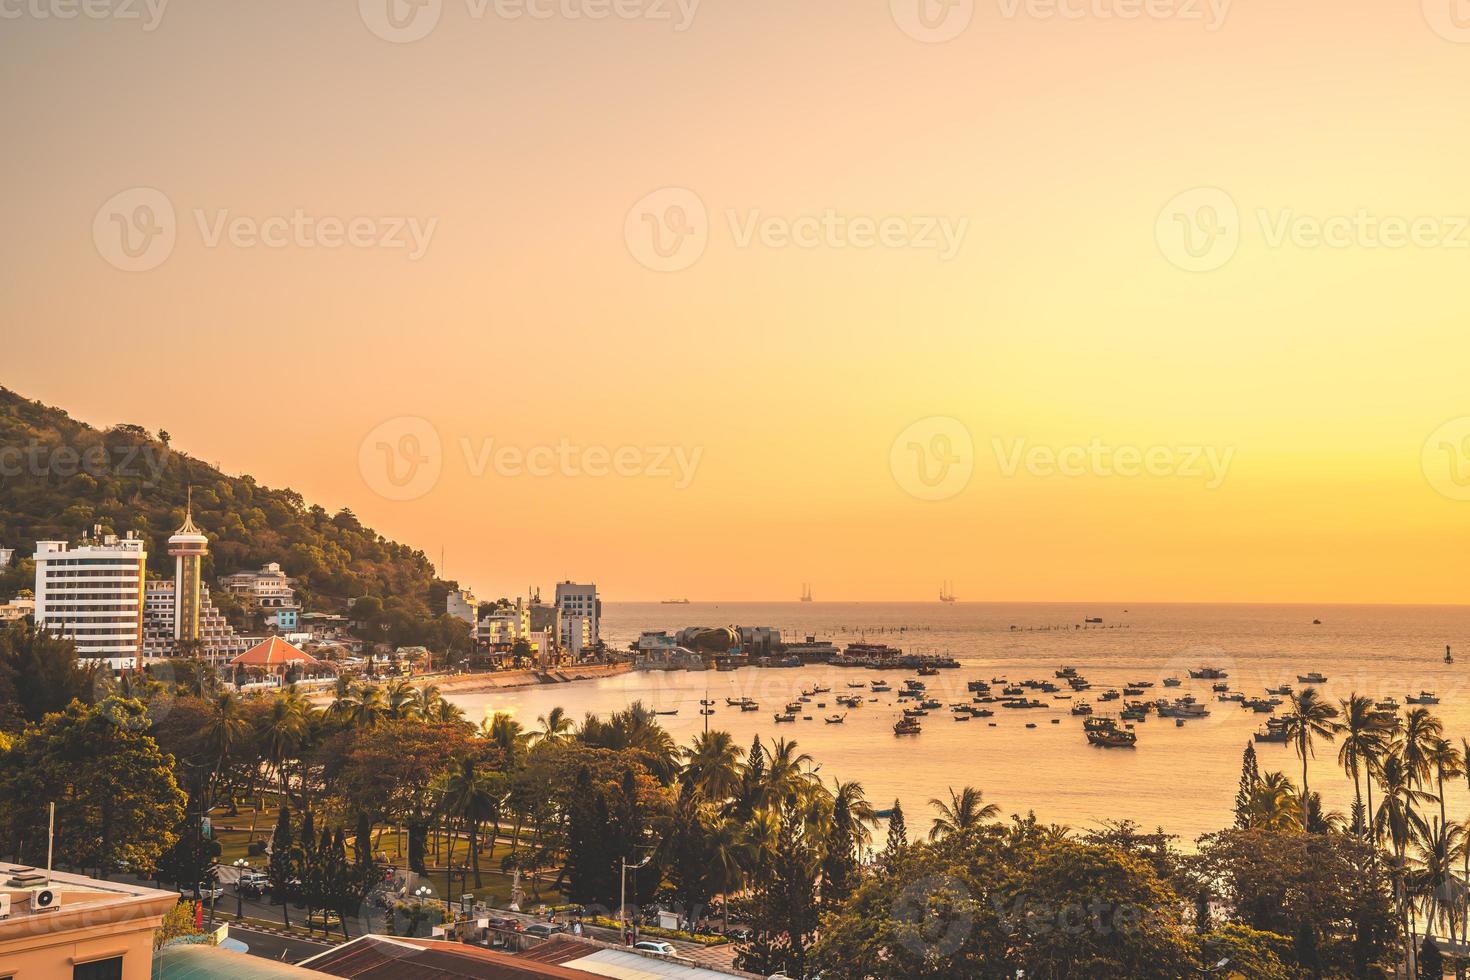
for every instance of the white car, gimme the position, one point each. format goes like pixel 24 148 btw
pixel 202 892
pixel 656 946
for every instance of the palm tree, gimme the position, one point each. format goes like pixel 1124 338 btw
pixel 964 810
pixel 729 853
pixel 1362 743
pixel 402 700
pixel 474 797
pixel 1311 718
pixel 369 709
pixel 785 770
pixel 1447 763
pixel 1275 804
pixel 712 766
pixel 344 698
pixel 1397 823
pixel 225 732
pixel 505 733
pixel 556 726
pixel 849 797
pixel 281 734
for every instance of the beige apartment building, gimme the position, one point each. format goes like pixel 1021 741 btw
pixel 76 928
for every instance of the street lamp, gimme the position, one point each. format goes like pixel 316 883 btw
pixel 421 892
pixel 241 865
pixel 623 890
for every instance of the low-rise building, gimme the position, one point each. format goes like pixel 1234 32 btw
pixel 17 609
pixel 66 925
pixel 269 591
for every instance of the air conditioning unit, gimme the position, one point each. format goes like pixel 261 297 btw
pixel 4 906
pixel 44 900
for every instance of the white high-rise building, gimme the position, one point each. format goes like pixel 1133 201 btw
pixel 578 602
pixel 93 595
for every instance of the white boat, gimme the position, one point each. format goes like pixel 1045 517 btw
pixel 1425 697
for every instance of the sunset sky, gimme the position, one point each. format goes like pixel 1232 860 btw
pixel 1078 164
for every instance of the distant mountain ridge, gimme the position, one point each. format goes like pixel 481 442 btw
pixel 59 477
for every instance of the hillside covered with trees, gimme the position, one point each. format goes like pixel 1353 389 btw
pixel 59 477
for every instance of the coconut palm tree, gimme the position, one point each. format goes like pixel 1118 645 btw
pixel 1363 742
pixel 712 766
pixel 965 809
pixel 1311 718
pixel 729 853
pixel 1431 873
pixel 369 709
pixel 556 726
pixel 344 698
pixel 225 733
pixel 1275 804
pixel 785 769
pixel 1446 762
pixel 506 734
pixel 402 700
pixel 474 796
pixel 280 736
pixel 849 797
pixel 1398 825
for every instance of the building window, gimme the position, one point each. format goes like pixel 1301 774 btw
pixel 109 969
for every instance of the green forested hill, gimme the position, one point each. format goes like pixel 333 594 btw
pixel 59 477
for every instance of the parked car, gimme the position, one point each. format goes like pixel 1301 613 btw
pixel 253 883
pixel 202 892
pixel 544 930
pixel 656 946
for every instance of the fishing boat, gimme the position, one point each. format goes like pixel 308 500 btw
pixel 1140 683
pixel 907 726
pixel 1284 690
pixel 1112 737
pixel 1182 709
pixel 1425 697
pixel 835 719
pixel 978 687
pixel 928 671
pixel 914 712
pixel 981 713
pixel 1110 696
pixel 1208 674
pixel 750 706
pixel 793 707
pixel 962 716
pixel 858 685
pixel 931 704
pixel 1081 708
pixel 881 686
pixel 1220 688
pixel 675 711
pixel 1275 731
pixel 1066 673
pixel 787 718
pixel 1172 682
pixel 1030 724
pixel 1133 692
pixel 1312 678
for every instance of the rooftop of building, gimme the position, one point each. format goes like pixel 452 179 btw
pixel 392 958
pixel 216 963
pixel 75 901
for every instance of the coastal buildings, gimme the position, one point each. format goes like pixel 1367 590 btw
pixel 462 604
pixel 17 609
pixel 88 929
pixel 579 602
pixel 269 592
pixel 93 595
pixel 217 639
pixel 276 658
pixel 504 623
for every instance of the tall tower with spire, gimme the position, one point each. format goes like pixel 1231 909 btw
pixel 188 547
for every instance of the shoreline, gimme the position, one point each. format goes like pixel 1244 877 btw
pixel 504 680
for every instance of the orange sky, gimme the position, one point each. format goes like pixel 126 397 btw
pixel 1009 232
